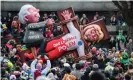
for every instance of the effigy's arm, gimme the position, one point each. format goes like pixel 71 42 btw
pixel 36 25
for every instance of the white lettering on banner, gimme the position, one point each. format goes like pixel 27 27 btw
pixel 56 44
pixel 33 37
pixel 64 41
pixel 70 38
pixel 71 44
pixel 59 43
pixel 62 48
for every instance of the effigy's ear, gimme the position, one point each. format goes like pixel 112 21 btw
pixel 25 18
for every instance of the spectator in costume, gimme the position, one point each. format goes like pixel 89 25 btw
pixel 113 20
pixel 120 41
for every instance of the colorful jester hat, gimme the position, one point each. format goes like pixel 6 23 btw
pixel 24 47
pixel 125 58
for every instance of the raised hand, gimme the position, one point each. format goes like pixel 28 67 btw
pixel 66 14
pixel 46 57
pixel 38 57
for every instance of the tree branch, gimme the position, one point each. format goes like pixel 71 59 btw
pixel 131 5
pixel 116 3
pixel 124 4
pixel 131 2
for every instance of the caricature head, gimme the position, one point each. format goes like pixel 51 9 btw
pixel 93 33
pixel 28 14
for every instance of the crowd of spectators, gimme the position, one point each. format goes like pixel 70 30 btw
pixel 113 63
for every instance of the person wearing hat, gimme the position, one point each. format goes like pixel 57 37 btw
pixel 68 75
pixel 13 77
pixel 95 68
pixel 63 72
pixel 52 75
pixel 86 74
pixel 109 67
pixel 66 65
pixel 8 64
pixel 125 58
pixel 97 76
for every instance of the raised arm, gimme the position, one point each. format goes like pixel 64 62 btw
pixel 72 29
pixel 33 65
pixel 46 70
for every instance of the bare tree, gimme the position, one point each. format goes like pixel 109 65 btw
pixel 126 8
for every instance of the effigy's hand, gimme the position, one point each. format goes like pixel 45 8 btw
pixel 66 14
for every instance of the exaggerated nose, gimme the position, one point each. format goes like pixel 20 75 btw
pixel 37 15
